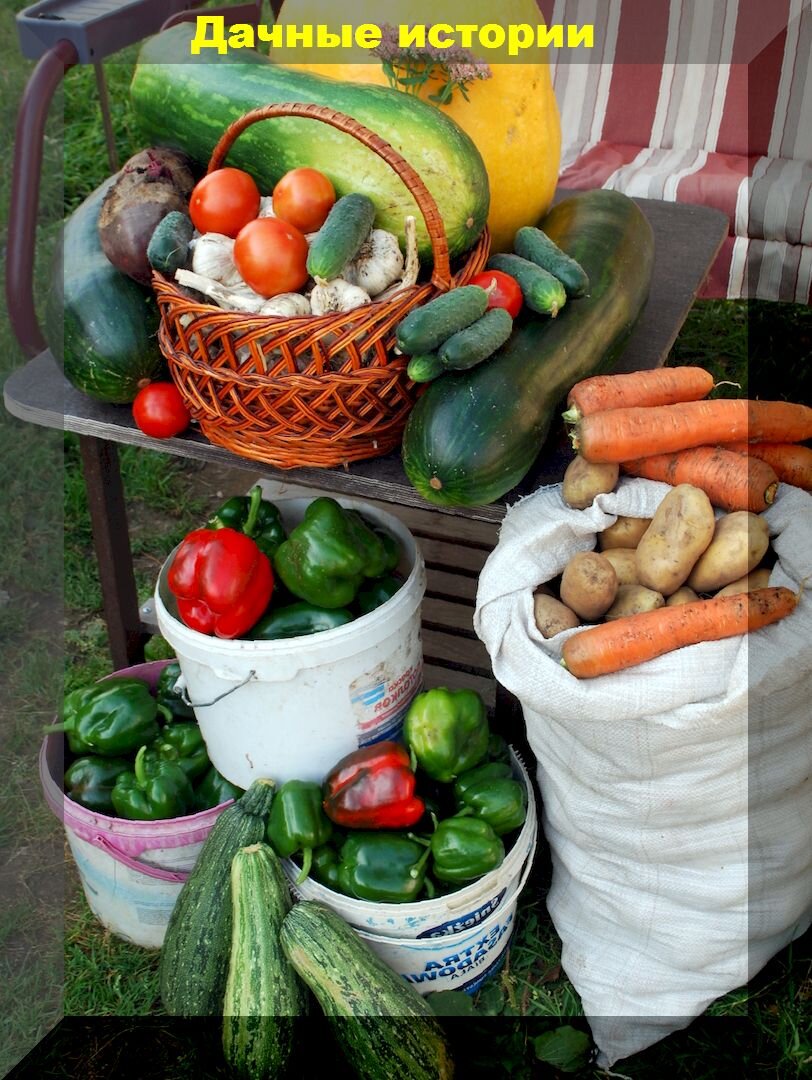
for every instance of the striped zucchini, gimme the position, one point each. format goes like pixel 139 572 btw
pixel 384 1027
pixel 195 954
pixel 263 992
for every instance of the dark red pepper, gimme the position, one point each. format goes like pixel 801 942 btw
pixel 373 788
pixel 221 580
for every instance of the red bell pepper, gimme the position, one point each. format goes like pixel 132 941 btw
pixel 373 788
pixel 221 580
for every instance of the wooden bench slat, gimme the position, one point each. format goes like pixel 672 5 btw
pixel 456 651
pixel 445 614
pixel 443 583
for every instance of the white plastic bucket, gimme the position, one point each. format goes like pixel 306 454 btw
pixel 291 709
pixel 453 942
pixel 131 871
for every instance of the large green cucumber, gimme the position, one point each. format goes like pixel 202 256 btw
pixel 188 101
pixel 384 1027
pixel 100 324
pixel 263 993
pixel 473 435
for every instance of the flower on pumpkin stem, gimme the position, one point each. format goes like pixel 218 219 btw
pixel 408 67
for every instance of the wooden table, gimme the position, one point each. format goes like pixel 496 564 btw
pixel 687 239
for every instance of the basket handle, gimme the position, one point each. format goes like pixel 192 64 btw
pixel 441 274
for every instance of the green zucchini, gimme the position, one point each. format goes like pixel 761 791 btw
pixel 425 328
pixel 537 247
pixel 101 325
pixel 473 435
pixel 341 236
pixel 194 959
pixel 476 342
pixel 168 248
pixel 384 1027
pixel 425 367
pixel 542 291
pixel 188 102
pixel 263 993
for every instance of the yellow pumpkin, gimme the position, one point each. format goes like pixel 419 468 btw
pixel 511 117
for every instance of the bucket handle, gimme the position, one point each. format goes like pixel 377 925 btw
pixel 176 876
pixel 179 687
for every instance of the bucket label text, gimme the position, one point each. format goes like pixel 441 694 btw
pixel 380 701
pixel 462 964
pixel 465 922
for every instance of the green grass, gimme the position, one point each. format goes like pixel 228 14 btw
pixel 48 644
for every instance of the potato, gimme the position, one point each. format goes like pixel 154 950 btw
pixel 679 532
pixel 552 616
pixel 625 533
pixel 683 595
pixel 625 564
pixel 739 543
pixel 588 585
pixel 583 481
pixel 759 579
pixel 632 600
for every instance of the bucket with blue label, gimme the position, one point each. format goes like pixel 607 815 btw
pixel 452 942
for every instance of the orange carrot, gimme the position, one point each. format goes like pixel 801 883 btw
pixel 626 642
pixel 731 481
pixel 792 463
pixel 663 386
pixel 626 434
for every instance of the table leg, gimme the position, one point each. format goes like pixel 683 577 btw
pixel 111 540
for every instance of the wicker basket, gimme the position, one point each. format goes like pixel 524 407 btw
pixel 311 390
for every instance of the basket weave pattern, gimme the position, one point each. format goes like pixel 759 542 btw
pixel 305 390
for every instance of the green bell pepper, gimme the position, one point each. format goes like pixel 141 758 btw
pixel 324 867
pixel 183 743
pixel 376 592
pixel 298 620
pixel 90 781
pixel 491 770
pixel 213 790
pixel 110 718
pixel 326 557
pixel 388 868
pixel 254 516
pixel 166 695
pixel 391 548
pixel 297 822
pixel 465 848
pixel 500 801
pixel 154 790
pixel 498 748
pixel 447 732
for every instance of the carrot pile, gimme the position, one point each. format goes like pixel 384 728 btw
pixel 656 424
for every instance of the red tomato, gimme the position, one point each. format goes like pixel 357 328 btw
pixel 224 201
pixel 303 198
pixel 159 410
pixel 271 256
pixel 506 292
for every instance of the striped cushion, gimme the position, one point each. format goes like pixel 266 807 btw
pixel 659 108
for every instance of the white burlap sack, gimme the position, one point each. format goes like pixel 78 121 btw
pixel 677 794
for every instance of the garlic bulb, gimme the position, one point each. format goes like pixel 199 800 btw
pixel 236 297
pixel 412 267
pixel 336 295
pixel 266 206
pixel 286 304
pixel 378 263
pixel 213 257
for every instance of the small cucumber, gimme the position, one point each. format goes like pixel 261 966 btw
pixel 425 367
pixel 536 246
pixel 340 238
pixel 168 248
pixel 542 291
pixel 476 342
pixel 427 327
